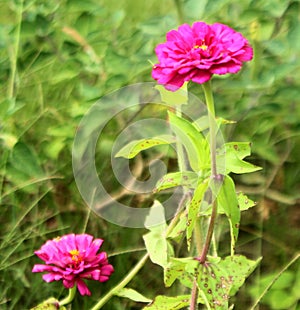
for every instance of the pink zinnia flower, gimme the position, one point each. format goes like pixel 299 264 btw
pixel 195 53
pixel 72 258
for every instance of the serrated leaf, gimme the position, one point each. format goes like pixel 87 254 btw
pixel 194 142
pixel 173 98
pixel 234 153
pixel 227 199
pixel 132 295
pixel 170 303
pixel 193 210
pixel 133 148
pixel 186 178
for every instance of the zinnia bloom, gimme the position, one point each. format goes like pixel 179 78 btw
pixel 195 53
pixel 72 258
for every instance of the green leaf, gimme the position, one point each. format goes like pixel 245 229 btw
pixel 176 269
pixel 178 231
pixel 155 241
pixel 193 210
pixel 173 98
pixel 25 160
pixel 131 149
pixel 196 145
pixel 186 178
pixel 220 279
pixel 234 153
pixel 49 304
pixel 227 200
pixel 202 123
pixel 170 303
pixel 244 202
pixel 241 149
pixel 132 295
pixel 239 268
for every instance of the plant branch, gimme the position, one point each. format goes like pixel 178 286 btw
pixel 69 298
pixel 122 284
pixel 194 296
pixel 214 176
pixel 265 291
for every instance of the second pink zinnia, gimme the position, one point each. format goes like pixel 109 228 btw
pixel 72 258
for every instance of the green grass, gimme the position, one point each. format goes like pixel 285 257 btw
pixel 58 57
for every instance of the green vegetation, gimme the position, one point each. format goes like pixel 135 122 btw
pixel 59 57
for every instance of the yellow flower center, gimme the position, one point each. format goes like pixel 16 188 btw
pixel 75 256
pixel 204 47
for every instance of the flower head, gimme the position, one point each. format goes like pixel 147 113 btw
pixel 72 258
pixel 195 53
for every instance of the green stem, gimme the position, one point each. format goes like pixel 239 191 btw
pixel 212 126
pixel 179 147
pixel 214 176
pixel 69 298
pixel 122 284
pixel 265 291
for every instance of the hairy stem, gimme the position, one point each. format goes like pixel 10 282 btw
pixel 122 284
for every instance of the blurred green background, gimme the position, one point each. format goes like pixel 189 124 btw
pixel 58 57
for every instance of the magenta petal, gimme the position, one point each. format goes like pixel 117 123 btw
pixel 68 283
pixel 40 268
pixel 82 288
pixel 49 277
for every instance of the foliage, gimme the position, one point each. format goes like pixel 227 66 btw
pixel 58 57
